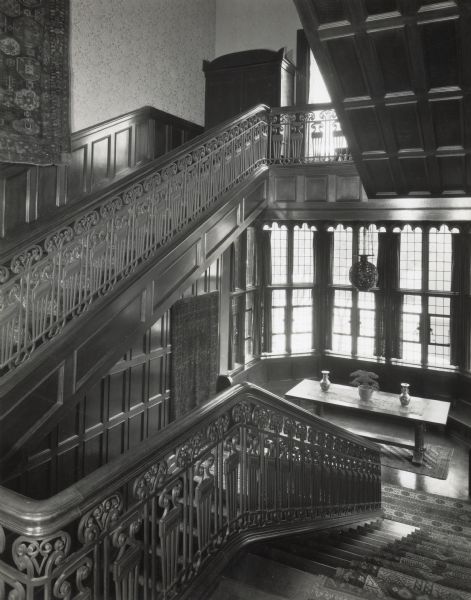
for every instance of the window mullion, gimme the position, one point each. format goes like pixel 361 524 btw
pixel 289 291
pixel 425 319
pixel 354 313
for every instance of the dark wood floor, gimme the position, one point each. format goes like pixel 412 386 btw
pixel 456 484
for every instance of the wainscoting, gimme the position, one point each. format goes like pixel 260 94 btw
pixel 101 155
pixel 131 403
pixel 127 406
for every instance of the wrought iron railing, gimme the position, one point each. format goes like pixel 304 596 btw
pixel 245 464
pixel 53 281
pixel 306 134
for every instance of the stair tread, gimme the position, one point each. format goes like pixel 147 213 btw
pixel 322 588
pixel 361 541
pixel 272 576
pixel 324 563
pixel 381 538
pixel 232 589
pixel 403 528
pixel 315 548
pixel 340 590
pixel 348 544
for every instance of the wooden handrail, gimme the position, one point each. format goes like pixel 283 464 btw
pixel 243 466
pixel 78 259
pixel 40 231
pixel 40 517
pixel 50 283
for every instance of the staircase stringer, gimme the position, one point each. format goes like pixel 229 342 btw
pixel 59 374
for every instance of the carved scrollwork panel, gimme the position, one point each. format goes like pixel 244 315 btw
pixel 4 274
pixel 260 417
pixel 152 479
pixel 100 519
pixel 241 412
pixel 218 428
pixel 38 557
pixel 24 260
pixel 67 586
pixel 276 422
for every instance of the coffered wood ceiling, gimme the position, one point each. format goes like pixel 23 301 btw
pixel 399 74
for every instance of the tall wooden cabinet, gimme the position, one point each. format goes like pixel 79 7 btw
pixel 238 81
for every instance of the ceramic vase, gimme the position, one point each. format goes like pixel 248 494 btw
pixel 365 392
pixel 325 381
pixel 404 395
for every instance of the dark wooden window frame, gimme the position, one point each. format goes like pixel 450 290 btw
pixel 241 290
pixel 323 294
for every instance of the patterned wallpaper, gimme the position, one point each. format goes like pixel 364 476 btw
pixel 251 24
pixel 130 53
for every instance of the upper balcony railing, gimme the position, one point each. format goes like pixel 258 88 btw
pixel 247 464
pixel 306 134
pixel 53 281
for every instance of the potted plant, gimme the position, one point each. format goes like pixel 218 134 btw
pixel 366 382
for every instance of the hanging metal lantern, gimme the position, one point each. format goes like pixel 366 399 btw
pixel 363 274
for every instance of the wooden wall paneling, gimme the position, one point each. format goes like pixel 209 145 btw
pixel 13 184
pixel 124 408
pixel 348 188
pixel 100 155
pixel 317 188
pixel 240 80
pixel 295 191
pixel 224 91
pixel 285 188
pixel 123 155
pixel 77 179
pixel 100 169
pixel 222 230
pixel 50 183
pixel 160 134
pixel 86 355
pixel 127 406
pixel 93 345
pixel 141 145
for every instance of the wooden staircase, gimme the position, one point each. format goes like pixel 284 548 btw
pixel 336 565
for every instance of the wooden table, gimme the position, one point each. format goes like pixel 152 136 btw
pixel 420 411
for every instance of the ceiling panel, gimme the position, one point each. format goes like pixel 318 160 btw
pixel 406 126
pixel 399 75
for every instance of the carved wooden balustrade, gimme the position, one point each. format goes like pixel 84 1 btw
pixel 247 464
pixel 46 285
pixel 306 134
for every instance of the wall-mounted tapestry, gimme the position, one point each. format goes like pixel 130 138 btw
pixel 34 81
pixel 195 351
